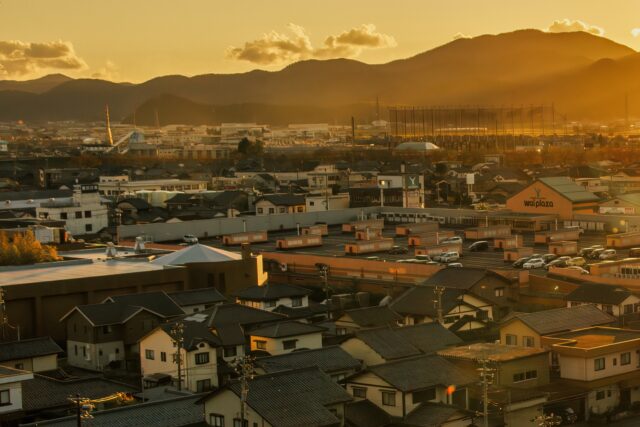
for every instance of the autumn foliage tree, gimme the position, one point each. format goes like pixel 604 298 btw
pixel 24 249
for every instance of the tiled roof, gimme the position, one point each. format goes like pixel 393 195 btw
pixel 158 302
pixel 106 314
pixel 599 294
pixel 460 278
pixel 364 413
pixel 28 348
pixel 563 319
pixel 490 351
pixel 286 329
pixel 270 292
pixel 283 199
pixel 328 359
pixel 368 317
pixel 195 254
pixel 295 398
pixel 418 300
pixel 197 296
pixel 434 414
pixel 395 343
pixel 241 314
pixel 178 412
pixel 569 189
pixel 422 372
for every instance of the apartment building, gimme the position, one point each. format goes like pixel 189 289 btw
pixel 83 214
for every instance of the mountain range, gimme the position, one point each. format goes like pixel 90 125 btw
pixel 583 75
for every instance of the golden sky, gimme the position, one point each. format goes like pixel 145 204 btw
pixel 134 40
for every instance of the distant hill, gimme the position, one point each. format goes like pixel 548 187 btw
pixel 40 85
pixel 570 69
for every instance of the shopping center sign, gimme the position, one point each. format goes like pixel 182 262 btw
pixel 538 202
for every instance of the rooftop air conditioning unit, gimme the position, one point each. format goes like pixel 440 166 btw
pixel 139 246
pixel 111 251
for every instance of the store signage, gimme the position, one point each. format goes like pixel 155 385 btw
pixel 411 182
pixel 538 202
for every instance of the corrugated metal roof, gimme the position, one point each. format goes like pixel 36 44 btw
pixel 569 189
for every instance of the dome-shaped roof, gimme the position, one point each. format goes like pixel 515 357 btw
pixel 196 253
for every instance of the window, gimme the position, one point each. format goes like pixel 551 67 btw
pixel 75 350
pixel 230 352
pixel 106 329
pixel 360 392
pixel 499 292
pixel 338 377
pixel 296 302
pixel 530 375
pixel 202 358
pixel 599 364
pixel 149 354
pixel 19 366
pixel 282 210
pixel 300 209
pixel 5 397
pixel 600 395
pixel 608 393
pixel 389 398
pixel 528 341
pixel 511 339
pixel 289 344
pixel 607 308
pixel 341 331
pixel 518 377
pixel 237 422
pixel 260 210
pixel 615 361
pixel 203 385
pixel 216 420
pixel 269 304
pixel 424 395
pixel 63 215
pixel 78 214
pixel 88 227
pixel 260 345
pixel 163 356
pixel 272 210
pixel 84 351
pixel 625 358
pixel 87 214
pixel 100 352
pixel 628 308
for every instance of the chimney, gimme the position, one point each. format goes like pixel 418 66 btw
pixel 246 251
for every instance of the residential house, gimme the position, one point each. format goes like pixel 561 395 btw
pixel 380 345
pixel 195 300
pixel 615 300
pixel 33 355
pixel 303 397
pixel 11 395
pixel 278 204
pixel 331 360
pixel 270 296
pixel 486 285
pixel 461 310
pixel 402 387
pixel 134 210
pixel 210 339
pixel 106 333
pixel 526 329
pixel 605 361
pixel 367 317
pixel 285 337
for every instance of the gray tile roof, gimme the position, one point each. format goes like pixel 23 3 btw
pixel 395 343
pixel 178 412
pixel 422 372
pixel 599 294
pixel 197 296
pixel 569 189
pixel 368 317
pixel 108 313
pixel 419 300
pixel 283 199
pixel 270 292
pixel 434 414
pixel 286 329
pixel 563 319
pixel 364 413
pixel 28 348
pixel 460 278
pixel 157 302
pixel 241 314
pixel 328 359
pixel 295 398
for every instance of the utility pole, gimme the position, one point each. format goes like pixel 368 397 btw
pixel 438 291
pixel 177 336
pixel 5 326
pixel 487 375
pixel 244 368
pixel 324 273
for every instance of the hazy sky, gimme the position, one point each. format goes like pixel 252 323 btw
pixel 135 40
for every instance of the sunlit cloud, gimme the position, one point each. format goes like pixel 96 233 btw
pixel 276 48
pixel 635 32
pixel 108 72
pixel 18 58
pixel 570 25
pixel 458 36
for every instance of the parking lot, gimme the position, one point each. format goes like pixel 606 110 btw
pixel 333 245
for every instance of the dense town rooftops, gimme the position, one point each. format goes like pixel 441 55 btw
pixel 24 349
pixel 562 319
pixel 271 292
pixel 328 359
pixel 490 351
pixel 286 329
pixel 599 294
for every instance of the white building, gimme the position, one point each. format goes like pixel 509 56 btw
pixel 84 214
pixel 118 187
pixel 316 203
pixel 285 337
pixel 11 405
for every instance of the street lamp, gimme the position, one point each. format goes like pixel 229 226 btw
pixel 382 184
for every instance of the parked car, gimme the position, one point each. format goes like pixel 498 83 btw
pixel 586 251
pixel 608 254
pixel 547 258
pixel 454 239
pixel 480 245
pixel 558 262
pixel 454 264
pixel 634 252
pixel 520 262
pixel 533 263
pixel 190 239
pixel 373 258
pixel 423 257
pixel 398 250
pixel 595 254
pixel 577 261
pixel 449 257
pixel 580 269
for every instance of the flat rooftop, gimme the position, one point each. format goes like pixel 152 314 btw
pixel 490 351
pixel 100 254
pixel 71 270
pixel 596 337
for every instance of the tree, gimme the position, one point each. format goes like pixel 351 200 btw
pixel 249 148
pixel 24 249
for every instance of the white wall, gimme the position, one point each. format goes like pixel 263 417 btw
pixel 227 404
pixel 275 345
pixel 611 399
pixel 583 369
pixel 93 360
